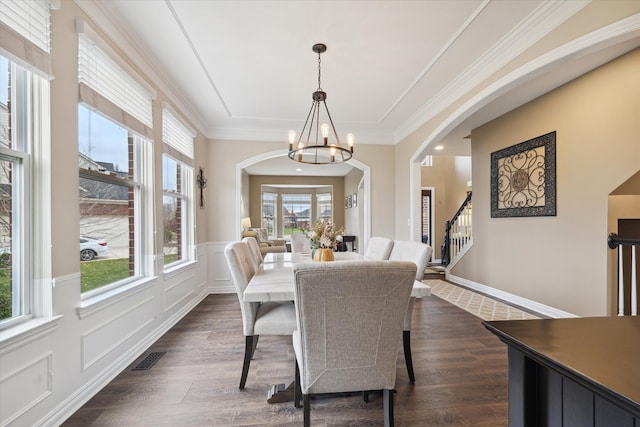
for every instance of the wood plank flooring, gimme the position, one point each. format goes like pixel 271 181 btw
pixel 461 377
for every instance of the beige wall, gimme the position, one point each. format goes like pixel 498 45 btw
pixel 448 176
pixel 560 261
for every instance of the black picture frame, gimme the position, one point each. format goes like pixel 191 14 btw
pixel 523 179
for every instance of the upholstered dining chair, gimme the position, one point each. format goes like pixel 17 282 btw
pixel 300 243
pixel 254 251
pixel 264 318
pixel 378 248
pixel 419 254
pixel 349 316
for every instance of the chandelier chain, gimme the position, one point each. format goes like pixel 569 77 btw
pixel 319 68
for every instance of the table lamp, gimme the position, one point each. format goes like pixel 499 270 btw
pixel 246 223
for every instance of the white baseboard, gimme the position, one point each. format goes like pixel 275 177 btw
pixel 511 298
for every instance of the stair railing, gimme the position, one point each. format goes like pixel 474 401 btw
pixel 457 232
pixel 617 242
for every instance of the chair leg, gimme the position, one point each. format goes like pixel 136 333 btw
pixel 249 345
pixel 388 407
pixel 297 390
pixel 255 344
pixel 365 396
pixel 406 343
pixel 306 410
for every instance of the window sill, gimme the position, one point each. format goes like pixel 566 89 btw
pixel 27 331
pixel 176 268
pixel 101 301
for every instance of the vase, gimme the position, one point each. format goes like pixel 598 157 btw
pixel 323 254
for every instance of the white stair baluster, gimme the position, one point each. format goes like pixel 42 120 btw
pixel 634 284
pixel 620 283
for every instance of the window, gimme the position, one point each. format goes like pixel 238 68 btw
pixel 17 104
pixel 177 193
pixel 24 113
pixel 109 159
pixel 269 210
pixel 324 206
pixel 114 159
pixel 296 212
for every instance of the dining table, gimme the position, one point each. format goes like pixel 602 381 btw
pixel 274 281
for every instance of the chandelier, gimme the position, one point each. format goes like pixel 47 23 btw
pixel 308 148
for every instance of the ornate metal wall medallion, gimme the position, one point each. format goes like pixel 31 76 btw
pixel 523 179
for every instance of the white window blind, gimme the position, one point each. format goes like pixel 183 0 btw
pixel 29 18
pixel 102 74
pixel 177 135
pixel 24 33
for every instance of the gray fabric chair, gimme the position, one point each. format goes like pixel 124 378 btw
pixel 266 318
pixel 349 318
pixel 254 251
pixel 300 243
pixel 378 248
pixel 419 254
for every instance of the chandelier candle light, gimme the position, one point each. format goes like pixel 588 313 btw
pixel 313 151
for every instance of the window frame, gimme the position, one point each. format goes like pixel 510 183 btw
pixel 185 194
pixel 26 97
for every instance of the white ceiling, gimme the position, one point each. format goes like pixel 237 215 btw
pixel 244 70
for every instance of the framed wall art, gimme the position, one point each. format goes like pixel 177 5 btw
pixel 355 200
pixel 349 201
pixel 523 179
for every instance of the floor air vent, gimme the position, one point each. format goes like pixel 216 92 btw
pixel 149 361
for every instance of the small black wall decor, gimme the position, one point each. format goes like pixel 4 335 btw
pixel 523 179
pixel 202 183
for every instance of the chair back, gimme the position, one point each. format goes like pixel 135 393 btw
pixel 415 252
pixel 300 243
pixel 379 248
pixel 241 268
pixel 350 316
pixel 254 251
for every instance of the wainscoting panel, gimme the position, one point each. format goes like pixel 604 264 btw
pixel 221 282
pixel 98 342
pixel 179 290
pixel 32 377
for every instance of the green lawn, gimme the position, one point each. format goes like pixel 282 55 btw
pixel 101 272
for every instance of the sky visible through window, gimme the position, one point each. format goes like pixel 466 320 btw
pixel 101 139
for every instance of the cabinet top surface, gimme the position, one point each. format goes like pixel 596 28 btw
pixel 602 351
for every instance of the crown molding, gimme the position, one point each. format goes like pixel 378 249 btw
pixel 538 24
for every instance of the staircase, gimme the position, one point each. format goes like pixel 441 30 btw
pixel 457 235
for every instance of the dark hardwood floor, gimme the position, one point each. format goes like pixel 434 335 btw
pixel 461 377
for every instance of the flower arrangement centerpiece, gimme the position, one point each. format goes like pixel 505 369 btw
pixel 322 236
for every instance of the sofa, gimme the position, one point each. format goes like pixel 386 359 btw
pixel 266 245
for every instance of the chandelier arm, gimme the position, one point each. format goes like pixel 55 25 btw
pixel 305 123
pixel 331 121
pixel 314 108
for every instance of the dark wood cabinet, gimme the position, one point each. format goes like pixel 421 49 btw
pixel 573 372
